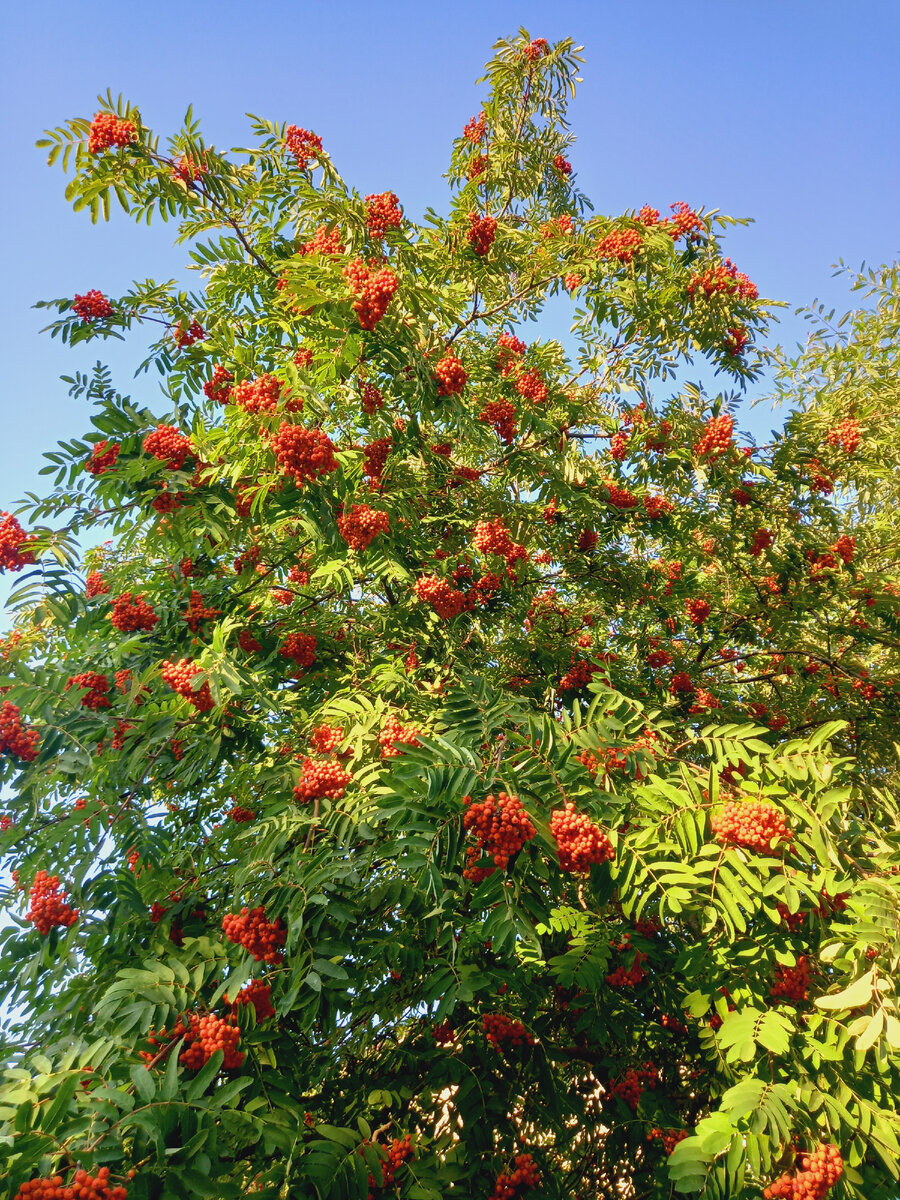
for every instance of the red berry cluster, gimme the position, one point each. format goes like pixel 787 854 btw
pixel 375 454
pixel 15 739
pixel 393 731
pixel 322 778
pixel 218 389
pixel 97 685
pixel 303 453
pixel 736 340
pixel 84 1186
pixel 684 222
pixel 475 128
pixel 723 277
pixel 130 613
pixel 621 244
pixel 753 824
pixel 562 165
pixel 47 904
pixel 326 738
pixel 103 457
pixel 374 289
pixel 657 506
pixel 716 437
pixel 92 306
pixel 258 395
pixel 188 169
pixel 697 610
pixel 259 937
pixel 450 374
pixel 531 386
pixel 179 676
pixel 628 977
pixel 762 540
pixel 108 130
pixel 501 826
pixel 241 815
pixel 198 611
pixel 811 1178
pixel 303 144
pixel 535 50
pixel 579 842
pixel 846 435
pixel 792 983
pixel 635 1082
pixel 168 445
pixel 372 398
pixel 303 358
pixel 324 241
pixel 510 350
pixel 95 585
pixel 259 994
pixel 503 1031
pixel 248 642
pixel 502 415
pixel 383 212
pixel 301 647
pixel 446 601
pixel 205 1036
pixel 845 548
pixel 669 1137
pixel 481 233
pixel 12 538
pixel 492 537
pixel 523 1177
pixel 619 497
pixel 361 525
pixel 186 334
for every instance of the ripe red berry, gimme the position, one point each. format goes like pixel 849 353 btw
pixel 92 306
pixel 108 130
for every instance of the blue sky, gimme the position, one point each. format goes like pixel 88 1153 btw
pixel 781 110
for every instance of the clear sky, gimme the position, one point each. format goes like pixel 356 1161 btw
pixel 787 111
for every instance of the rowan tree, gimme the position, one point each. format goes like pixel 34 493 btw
pixel 460 764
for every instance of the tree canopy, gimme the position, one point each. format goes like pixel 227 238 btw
pixel 468 767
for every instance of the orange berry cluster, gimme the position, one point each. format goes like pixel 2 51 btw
pixel 374 291
pixel 372 398
pixel 845 548
pixel 669 1137
pixel 716 437
pixel 635 1082
pixel 535 50
pixel 326 738
pixel 47 907
pixel 846 435
pixel 621 244
pixel 130 613
pixel 450 374
pixel 108 130
pixel 187 334
pixel 301 647
pixel 83 1187
pixel 394 731
pixel 531 386
pixel 383 212
pixel 400 1150
pixel 205 1036
pixel 361 525
pixel 198 611
pixel 188 169
pixel 579 842
pixel 562 165
pixel 523 1177
pixel 97 685
pixel 168 445
pixel 579 675
pixel 762 540
pixel 753 824
pixel 792 983
pixel 179 676
pixel 324 241
pixel 303 453
pixel 12 538
pixel 303 358
pixel 619 497
pixel 657 506
pixel 95 585
pixel 814 1174
pixel 475 128
pixel 481 233
pixel 502 415
pixel 92 306
pixel 258 395
pixel 736 340
pixel 697 610
pixel 501 826
pixel 241 815
pixel 303 144
pixel 248 642
pixel 259 994
pixel 446 601
pixel 628 977
pixel 492 537
pixel 218 389
pixel 510 350
pixel 684 222
pixel 322 777
pixel 259 937
pixel 375 454
pixel 103 457
pixel 503 1031
pixel 723 277
pixel 15 739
